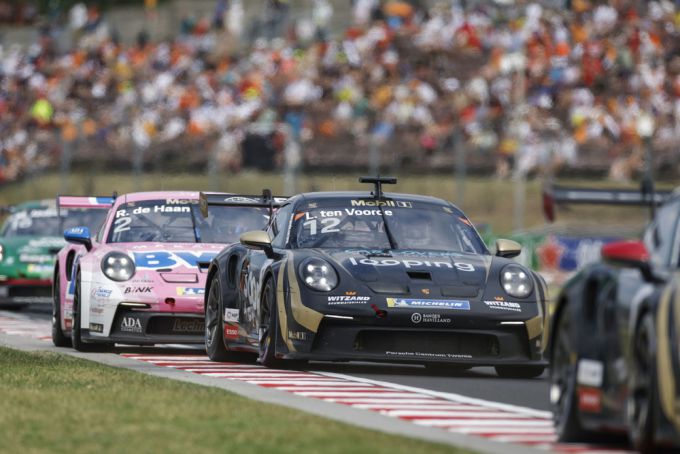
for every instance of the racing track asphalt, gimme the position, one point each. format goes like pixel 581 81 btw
pixel 473 409
pixel 480 382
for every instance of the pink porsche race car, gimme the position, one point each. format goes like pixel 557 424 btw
pixel 140 280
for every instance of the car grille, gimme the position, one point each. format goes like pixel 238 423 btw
pixel 177 326
pixel 471 344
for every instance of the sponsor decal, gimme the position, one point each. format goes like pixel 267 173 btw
pixel 190 291
pixel 179 201
pixel 230 332
pixel 460 266
pixel 131 325
pixel 239 199
pixel 429 355
pixel 40 269
pixel 96 310
pixel 190 325
pixel 35 258
pixel 382 203
pixel 425 291
pixel 68 323
pixel 347 298
pixel 461 305
pixel 297 335
pixel 101 292
pixel 96 327
pixel 138 289
pixel 503 305
pixel 589 400
pixel 417 317
pixel 163 259
pixel 230 315
pixel 590 373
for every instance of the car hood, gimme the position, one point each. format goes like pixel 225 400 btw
pixel 163 269
pixel 455 273
pixel 167 257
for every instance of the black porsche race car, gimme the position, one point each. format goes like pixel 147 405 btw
pixel 341 276
pixel 615 341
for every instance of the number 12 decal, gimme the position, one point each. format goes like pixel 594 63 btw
pixel 328 225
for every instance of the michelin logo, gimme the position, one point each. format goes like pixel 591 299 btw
pixel 461 305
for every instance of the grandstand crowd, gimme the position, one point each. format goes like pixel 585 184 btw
pixel 520 86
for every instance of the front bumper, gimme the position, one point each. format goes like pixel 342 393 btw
pixel 139 327
pixel 488 344
pixel 15 292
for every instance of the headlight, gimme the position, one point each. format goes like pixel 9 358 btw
pixel 118 266
pixel 318 274
pixel 516 281
pixel 2 253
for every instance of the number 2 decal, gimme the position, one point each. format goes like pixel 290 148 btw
pixel 121 225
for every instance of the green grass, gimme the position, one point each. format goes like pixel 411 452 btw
pixel 485 200
pixel 55 403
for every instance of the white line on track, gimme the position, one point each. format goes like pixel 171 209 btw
pixel 451 414
pixel 483 422
pixel 447 396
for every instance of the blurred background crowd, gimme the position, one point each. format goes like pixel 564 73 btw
pixel 510 87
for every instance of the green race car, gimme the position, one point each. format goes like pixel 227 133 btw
pixel 29 240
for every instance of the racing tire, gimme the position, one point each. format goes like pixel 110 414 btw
pixel 76 335
pixel 641 405
pixel 519 371
pixel 270 331
pixel 59 339
pixel 269 328
pixel 563 379
pixel 214 338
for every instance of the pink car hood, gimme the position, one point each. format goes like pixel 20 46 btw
pixel 167 276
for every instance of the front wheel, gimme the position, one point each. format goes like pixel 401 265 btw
pixel 642 384
pixel 214 324
pixel 519 371
pixel 76 335
pixel 563 384
pixel 59 339
pixel 269 328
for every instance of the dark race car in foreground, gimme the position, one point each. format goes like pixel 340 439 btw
pixel 615 362
pixel 346 276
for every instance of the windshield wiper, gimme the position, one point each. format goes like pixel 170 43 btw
pixel 390 238
pixel 197 234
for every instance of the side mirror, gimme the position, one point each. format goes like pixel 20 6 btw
pixel 630 254
pixel 258 239
pixel 79 235
pixel 508 248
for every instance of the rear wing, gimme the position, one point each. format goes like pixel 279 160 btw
pixel 266 200
pixel 564 195
pixel 69 201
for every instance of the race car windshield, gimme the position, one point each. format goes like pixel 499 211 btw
pixel 46 221
pixel 180 221
pixel 428 227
